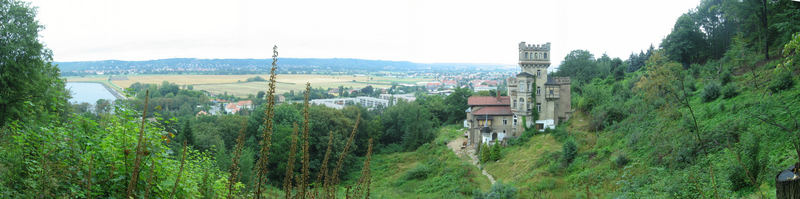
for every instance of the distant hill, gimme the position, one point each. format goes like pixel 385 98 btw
pixel 260 65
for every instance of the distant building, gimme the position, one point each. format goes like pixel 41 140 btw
pixel 233 108
pixel 398 97
pixel 480 88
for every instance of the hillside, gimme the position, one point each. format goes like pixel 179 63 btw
pixel 647 147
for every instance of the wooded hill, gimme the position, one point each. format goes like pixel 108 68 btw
pixel 710 113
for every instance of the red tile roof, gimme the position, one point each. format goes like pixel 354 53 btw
pixel 244 103
pixel 488 101
pixel 493 110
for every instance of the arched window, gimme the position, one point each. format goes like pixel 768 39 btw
pixel 526 55
pixel 545 55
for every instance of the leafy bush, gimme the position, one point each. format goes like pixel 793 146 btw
pixel 729 91
pixel 256 79
pixel 569 151
pixel 725 78
pixel 499 191
pixel 620 161
pixel 544 185
pixel 750 164
pixel 711 92
pixel 560 134
pixel 524 137
pixel 419 172
pixel 782 81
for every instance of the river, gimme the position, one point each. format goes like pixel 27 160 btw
pixel 88 92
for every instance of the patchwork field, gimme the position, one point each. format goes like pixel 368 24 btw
pixel 236 85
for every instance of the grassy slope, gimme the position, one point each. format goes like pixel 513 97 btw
pixel 535 167
pixel 449 177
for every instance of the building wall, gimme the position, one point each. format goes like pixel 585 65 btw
pixel 497 126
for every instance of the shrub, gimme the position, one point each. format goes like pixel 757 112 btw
pixel 544 185
pixel 711 92
pixel 524 137
pixel 783 81
pixel 560 134
pixel 729 91
pixel 569 151
pixel 419 172
pixel 499 191
pixel 621 161
pixel 725 78
pixel 749 160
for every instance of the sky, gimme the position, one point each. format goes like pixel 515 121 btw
pixel 424 31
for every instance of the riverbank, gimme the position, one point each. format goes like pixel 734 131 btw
pixel 115 91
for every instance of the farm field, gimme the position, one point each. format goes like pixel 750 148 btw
pixel 236 85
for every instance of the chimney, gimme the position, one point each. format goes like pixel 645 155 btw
pixel 498 94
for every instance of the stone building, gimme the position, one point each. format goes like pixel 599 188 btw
pixel 495 118
pixel 489 119
pixel 552 94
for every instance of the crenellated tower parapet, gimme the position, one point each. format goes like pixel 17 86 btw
pixel 534 57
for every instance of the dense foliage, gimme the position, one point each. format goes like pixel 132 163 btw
pixel 31 88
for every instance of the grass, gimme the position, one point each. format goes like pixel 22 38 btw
pixel 449 176
pixel 526 167
pixel 236 85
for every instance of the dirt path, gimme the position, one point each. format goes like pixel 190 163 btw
pixel 455 145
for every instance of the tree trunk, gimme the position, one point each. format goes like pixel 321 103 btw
pixel 787 184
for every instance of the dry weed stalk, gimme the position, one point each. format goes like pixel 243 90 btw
pixel 287 180
pixel 323 171
pixel 304 179
pixel 180 171
pixel 235 160
pixel 261 173
pixel 139 150
pixel 334 180
pixel 362 188
pixel 150 178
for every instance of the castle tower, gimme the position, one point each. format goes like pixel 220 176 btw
pixel 534 59
pixel 532 91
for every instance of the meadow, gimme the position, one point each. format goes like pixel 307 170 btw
pixel 237 84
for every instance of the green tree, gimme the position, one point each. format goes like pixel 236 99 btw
pixel 686 43
pixel 580 66
pixel 31 88
pixel 456 104
pixel 495 154
pixel 568 152
pixel 186 133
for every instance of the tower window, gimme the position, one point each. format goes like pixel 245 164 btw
pixel 538 73
pixel 538 90
pixel 545 55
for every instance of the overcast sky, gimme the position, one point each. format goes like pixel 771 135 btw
pixel 424 31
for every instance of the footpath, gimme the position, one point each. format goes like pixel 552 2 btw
pixel 469 151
